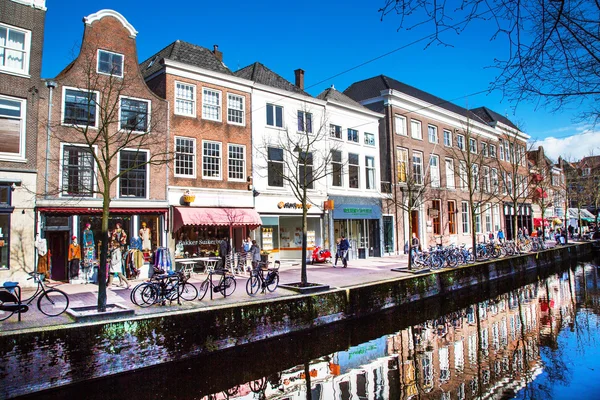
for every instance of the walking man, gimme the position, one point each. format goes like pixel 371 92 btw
pixel 344 246
pixel 224 250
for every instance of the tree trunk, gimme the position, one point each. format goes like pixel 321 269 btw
pixel 103 253
pixel 303 277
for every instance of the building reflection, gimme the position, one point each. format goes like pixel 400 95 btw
pixel 489 349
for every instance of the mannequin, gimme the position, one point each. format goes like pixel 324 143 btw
pixel 88 245
pixel 42 248
pixel 145 234
pixel 74 257
pixel 119 235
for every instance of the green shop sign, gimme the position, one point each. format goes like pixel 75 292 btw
pixel 356 211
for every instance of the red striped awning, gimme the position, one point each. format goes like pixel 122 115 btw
pixel 215 216
pixel 98 210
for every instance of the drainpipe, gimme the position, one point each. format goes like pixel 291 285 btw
pixel 50 85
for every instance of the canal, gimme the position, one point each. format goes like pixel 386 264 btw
pixel 532 338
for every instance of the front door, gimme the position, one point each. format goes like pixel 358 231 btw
pixel 375 240
pixel 58 245
pixel 238 237
pixel 388 234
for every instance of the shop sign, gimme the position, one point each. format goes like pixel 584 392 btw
pixel 356 212
pixel 362 354
pixel 197 242
pixel 282 205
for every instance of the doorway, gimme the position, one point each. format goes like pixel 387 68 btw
pixel 238 237
pixel 58 242
pixel 375 239
pixel 388 234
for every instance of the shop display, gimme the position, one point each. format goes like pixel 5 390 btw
pixel 310 238
pixel 267 239
pixel 284 237
pixel 74 258
pixel 145 234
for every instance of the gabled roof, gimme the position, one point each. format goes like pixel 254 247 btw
pixel 331 94
pixel 372 87
pixel 490 116
pixel 186 53
pixel 260 74
pixel 590 162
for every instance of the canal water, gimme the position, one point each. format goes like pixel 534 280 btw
pixel 533 340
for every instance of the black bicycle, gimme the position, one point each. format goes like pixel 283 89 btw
pixel 162 288
pixel 258 280
pixel 226 285
pixel 51 302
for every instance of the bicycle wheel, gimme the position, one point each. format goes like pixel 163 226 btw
pixel 229 284
pixel 144 294
pixel 252 285
pixel 272 281
pixel 53 302
pixel 203 289
pixel 188 291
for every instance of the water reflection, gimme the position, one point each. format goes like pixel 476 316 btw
pixel 506 346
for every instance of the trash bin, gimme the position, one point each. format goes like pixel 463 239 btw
pixel 362 252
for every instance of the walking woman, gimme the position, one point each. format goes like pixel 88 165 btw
pixel 116 266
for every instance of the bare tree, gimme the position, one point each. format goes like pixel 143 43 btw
pixel 306 162
pixel 477 176
pixel 551 46
pixel 96 122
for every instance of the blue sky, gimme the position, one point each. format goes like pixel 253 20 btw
pixel 325 38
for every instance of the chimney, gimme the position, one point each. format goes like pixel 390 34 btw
pixel 217 53
pixel 299 78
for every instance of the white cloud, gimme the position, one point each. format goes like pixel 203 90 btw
pixel 572 147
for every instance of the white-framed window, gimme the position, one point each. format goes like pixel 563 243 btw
pixel 452 228
pixel 335 131
pixel 484 149
pixel 79 107
pixel 494 183
pixel 475 176
pixel 486 179
pixel 370 172
pixel 462 173
pixel 509 183
pixel 401 163
pixel 369 139
pixel 496 217
pixel 185 157
pixel 304 122
pixel 305 170
pixel 460 142
pixel 434 170
pixel 353 171
pixel 133 183
pixel 185 99
pixel 15 44
pixel 492 150
pixel 236 162
pixel 450 183
pixel 415 129
pixel 400 125
pixel 417 160
pixel 274 115
pixel 501 150
pixel 465 217
pixel 473 145
pixel 506 151
pixel 236 109
pixel 211 160
pixel 78 175
pixel 275 167
pixel 134 114
pixel 337 172
pixel 352 135
pixel 504 182
pixel 432 133
pixel 12 128
pixel 211 104
pixel 478 218
pixel 109 63
pixel 447 138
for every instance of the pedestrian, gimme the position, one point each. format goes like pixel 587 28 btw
pixel 338 253
pixel 491 236
pixel 520 233
pixel 224 250
pixel 414 245
pixel 243 260
pixel 525 231
pixel 500 235
pixel 255 255
pixel 344 246
pixel 116 265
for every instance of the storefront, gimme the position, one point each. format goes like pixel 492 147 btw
pixel 281 230
pixel 359 220
pixel 198 231
pixel 524 219
pixel 59 224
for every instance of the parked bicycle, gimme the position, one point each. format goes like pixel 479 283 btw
pixel 162 288
pixel 226 285
pixel 258 280
pixel 51 302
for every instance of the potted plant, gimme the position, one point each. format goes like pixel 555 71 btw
pixel 264 256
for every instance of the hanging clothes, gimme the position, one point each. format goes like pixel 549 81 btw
pixel 162 260
pixel 135 243
pixel 134 259
pixel 43 266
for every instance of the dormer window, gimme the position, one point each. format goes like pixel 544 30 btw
pixel 110 63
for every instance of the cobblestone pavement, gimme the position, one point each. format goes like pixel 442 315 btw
pixel 80 295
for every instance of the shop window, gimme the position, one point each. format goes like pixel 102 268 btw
pixel 133 164
pixel 336 168
pixel 353 171
pixel 6 210
pixel 77 171
pixel 79 107
pixel 185 157
pixel 134 114
pixel 370 172
pixel 211 160
pixel 12 129
pixel 436 206
pixel 236 163
pixel 275 166
pixel 452 217
pixel 305 170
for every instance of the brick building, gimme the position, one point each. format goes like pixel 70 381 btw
pixel 21 42
pixel 99 118
pixel 211 135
